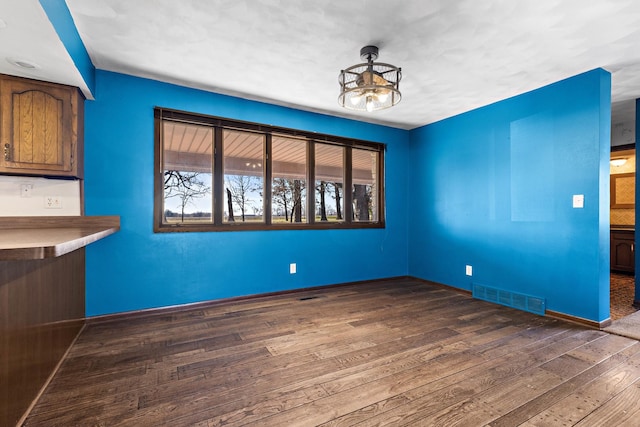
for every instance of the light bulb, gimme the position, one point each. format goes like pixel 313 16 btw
pixel 355 100
pixel 370 103
pixel 382 97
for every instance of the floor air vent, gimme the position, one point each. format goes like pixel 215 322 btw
pixel 510 299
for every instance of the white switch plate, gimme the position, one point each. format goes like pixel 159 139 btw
pixel 25 190
pixel 578 200
pixel 469 270
pixel 292 268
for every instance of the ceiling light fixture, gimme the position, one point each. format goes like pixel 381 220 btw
pixel 618 162
pixel 370 86
pixel 23 63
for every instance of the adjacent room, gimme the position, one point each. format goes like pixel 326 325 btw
pixel 623 170
pixel 330 213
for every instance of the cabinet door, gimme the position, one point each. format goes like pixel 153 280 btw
pixel 622 252
pixel 39 128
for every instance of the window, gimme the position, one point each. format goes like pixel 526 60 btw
pixel 243 176
pixel 289 182
pixel 186 176
pixel 329 182
pixel 365 185
pixel 216 174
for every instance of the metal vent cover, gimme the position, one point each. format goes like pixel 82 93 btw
pixel 511 299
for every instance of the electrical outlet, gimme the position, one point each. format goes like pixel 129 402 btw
pixel 292 268
pixel 469 270
pixel 25 190
pixel 52 202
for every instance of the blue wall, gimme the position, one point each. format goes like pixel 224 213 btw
pixel 493 188
pixel 137 269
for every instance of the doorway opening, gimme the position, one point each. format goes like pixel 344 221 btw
pixel 622 220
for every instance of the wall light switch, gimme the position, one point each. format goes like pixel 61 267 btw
pixel 292 268
pixel 25 190
pixel 578 200
pixel 469 270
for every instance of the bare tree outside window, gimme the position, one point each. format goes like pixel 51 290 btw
pixel 321 189
pixel 362 202
pixel 337 187
pixel 186 187
pixel 242 190
pixel 288 195
pixel 298 192
pixel 282 195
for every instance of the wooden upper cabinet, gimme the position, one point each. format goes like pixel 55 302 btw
pixel 41 128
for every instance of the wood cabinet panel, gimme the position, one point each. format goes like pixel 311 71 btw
pixel 623 251
pixel 41 312
pixel 41 128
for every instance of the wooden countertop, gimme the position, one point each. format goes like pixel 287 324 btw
pixel 23 238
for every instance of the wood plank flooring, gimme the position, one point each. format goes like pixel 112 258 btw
pixel 395 352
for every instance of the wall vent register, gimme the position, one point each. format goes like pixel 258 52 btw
pixel 511 299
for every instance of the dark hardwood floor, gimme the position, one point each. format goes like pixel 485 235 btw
pixel 396 352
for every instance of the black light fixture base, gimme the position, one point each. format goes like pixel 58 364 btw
pixel 369 53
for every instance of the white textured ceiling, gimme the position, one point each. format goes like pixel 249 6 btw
pixel 27 35
pixel 456 55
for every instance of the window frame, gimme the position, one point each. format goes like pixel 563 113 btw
pixel 219 124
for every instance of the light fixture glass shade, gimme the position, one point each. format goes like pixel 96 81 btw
pixel 618 162
pixel 370 86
